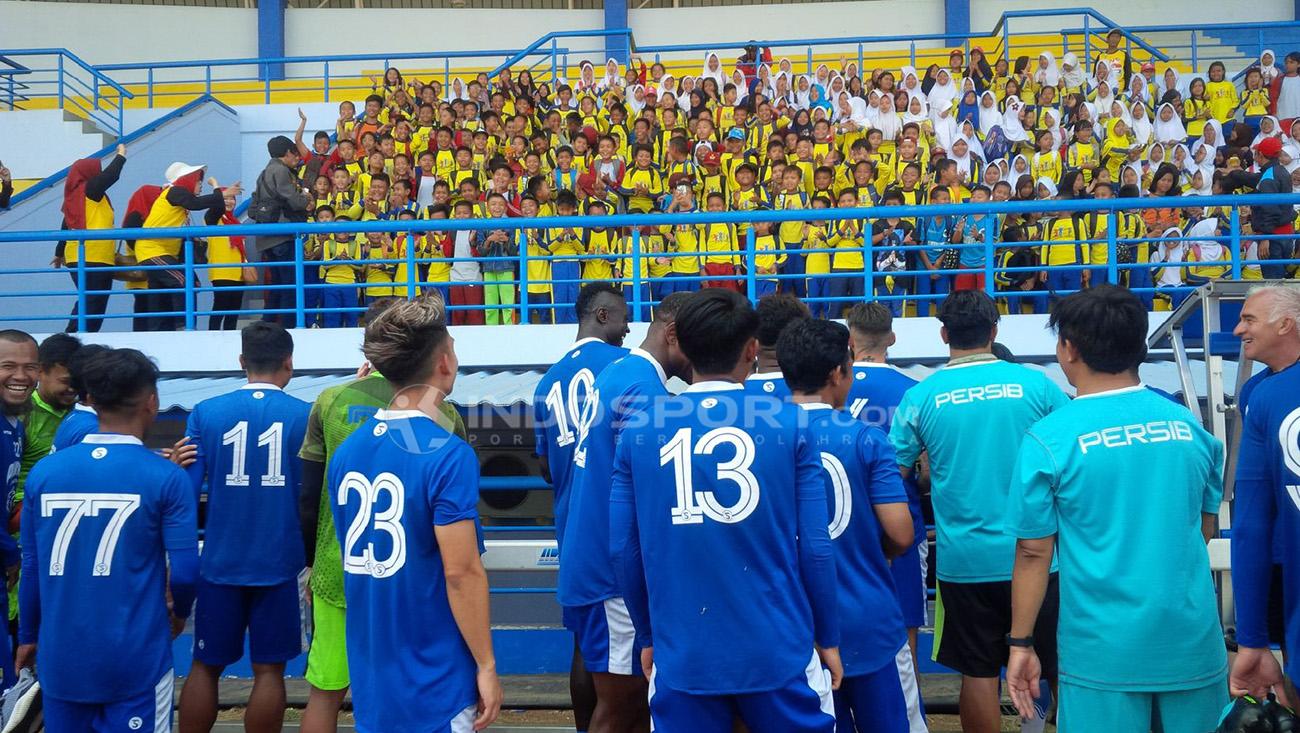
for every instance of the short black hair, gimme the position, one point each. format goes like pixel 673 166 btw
pixel 1107 324
pixel 566 198
pixel 872 321
pixel 809 351
pixel 970 317
pixel 668 308
pixel 116 379
pixel 14 336
pixel 77 366
pixel 265 346
pixel 775 313
pixel 590 293
pixel 57 349
pixel 713 327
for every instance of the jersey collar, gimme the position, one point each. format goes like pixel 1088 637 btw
pixel 814 406
pixel 399 415
pixel 1120 390
pixel 972 360
pixel 85 408
pixel 765 376
pixel 876 365
pixel 583 342
pixel 659 369
pixel 262 385
pixel 714 386
pixel 111 439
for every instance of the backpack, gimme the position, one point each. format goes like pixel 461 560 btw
pixel 264 207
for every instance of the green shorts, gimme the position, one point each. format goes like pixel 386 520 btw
pixel 327 659
pixel 1086 710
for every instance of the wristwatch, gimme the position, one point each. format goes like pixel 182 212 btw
pixel 1026 642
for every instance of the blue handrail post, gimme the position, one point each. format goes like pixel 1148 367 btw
pixel 1087 41
pixel 81 286
pixel 61 81
pixel 751 279
pixel 525 307
pixel 1006 44
pixel 1259 42
pixel 553 46
pixel 95 89
pixel 1112 247
pixel 299 293
pixel 1196 67
pixel 859 59
pixel 637 302
pixel 150 91
pixel 810 66
pixel 1234 240
pixel 326 76
pixel 868 271
pixel 412 273
pixel 446 74
pixel 911 54
pixel 990 258
pixel 189 284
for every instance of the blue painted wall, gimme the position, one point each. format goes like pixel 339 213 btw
pixel 956 19
pixel 270 37
pixel 616 47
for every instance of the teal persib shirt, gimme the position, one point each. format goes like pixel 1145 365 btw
pixel 1122 478
pixel 970 416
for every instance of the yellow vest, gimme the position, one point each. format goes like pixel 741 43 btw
pixel 99 215
pixel 161 215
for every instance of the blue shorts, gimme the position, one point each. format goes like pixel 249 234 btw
pixel 885 701
pixel 1086 710
pixel 148 712
pixel 270 614
pixel 804 705
pixel 605 636
pixel 909 571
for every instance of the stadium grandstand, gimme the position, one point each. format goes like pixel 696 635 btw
pixel 314 255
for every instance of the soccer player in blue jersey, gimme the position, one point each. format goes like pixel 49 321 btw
pixel 19 367
pixel 593 604
pixel 110 526
pixel 82 420
pixel 1141 648
pixel 970 416
pixel 1266 511
pixel 252 552
pixel 879 693
pixel 404 494
pixel 558 417
pixel 723 549
pixel 874 397
pixel 775 312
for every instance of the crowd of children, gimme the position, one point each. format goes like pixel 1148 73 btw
pixel 754 136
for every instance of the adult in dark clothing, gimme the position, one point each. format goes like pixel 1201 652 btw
pixel 6 187
pixel 171 209
pixel 278 188
pixel 1277 218
pixel 86 206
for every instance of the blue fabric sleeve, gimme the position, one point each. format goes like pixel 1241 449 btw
pixel 882 466
pixel 625 546
pixel 29 598
pixel 816 556
pixel 183 579
pixel 198 469
pixel 1254 512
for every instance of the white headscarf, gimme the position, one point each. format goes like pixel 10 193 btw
pixel 802 97
pixel 1202 235
pixel 945 127
pixel 1014 172
pixel 1167 133
pixel 857 110
pixel 1047 183
pixel 887 120
pixel 635 105
pixel 917 117
pixel 1052 123
pixel 1011 126
pixel 902 82
pixel 612 78
pixel 455 90
pixel 1164 86
pixel 1141 124
pixel 1277 133
pixel 942 95
pixel 1050 76
pixel 1072 71
pixel 742 86
pixel 989 117
pixel 967 132
pixel 1270 71
pixel 718 74
pixel 1218 135
pixel 1103 101
pixel 964 161
pixel 1143 92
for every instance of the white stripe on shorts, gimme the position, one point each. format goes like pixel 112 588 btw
pixel 650 695
pixel 819 679
pixel 622 637
pixel 464 722
pixel 907 680
pixel 923 552
pixel 162 699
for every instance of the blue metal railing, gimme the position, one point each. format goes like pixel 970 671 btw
pixel 60 176
pixel 60 75
pixel 1250 40
pixel 629 263
pixel 11 87
pixel 554 52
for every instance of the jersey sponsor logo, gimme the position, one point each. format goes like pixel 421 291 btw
pixel 548 557
pixel 1119 436
pixel 983 393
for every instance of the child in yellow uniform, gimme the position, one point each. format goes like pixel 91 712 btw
pixel 1046 162
pixel 538 271
pixel 847 264
pixel 601 244
pixel 1221 93
pixel 722 249
pixel 642 184
pixel 682 242
pixel 817 262
pixel 1084 153
pixel 338 270
pixel 437 271
pixel 403 275
pixel 378 274
pixel 767 261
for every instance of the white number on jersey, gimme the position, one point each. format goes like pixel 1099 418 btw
pixel 1288 436
pixel 693 506
pixel 388 521
pixel 840 491
pixel 573 411
pixel 271 438
pixel 88 505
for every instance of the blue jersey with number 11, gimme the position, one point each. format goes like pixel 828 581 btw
pixel 559 414
pixel 248 443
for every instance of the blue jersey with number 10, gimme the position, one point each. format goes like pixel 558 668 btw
pixel 558 414
pixel 391 483
pixel 248 444
pixel 100 517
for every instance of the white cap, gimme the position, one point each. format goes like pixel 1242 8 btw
pixel 178 170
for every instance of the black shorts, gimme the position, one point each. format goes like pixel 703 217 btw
pixel 973 619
